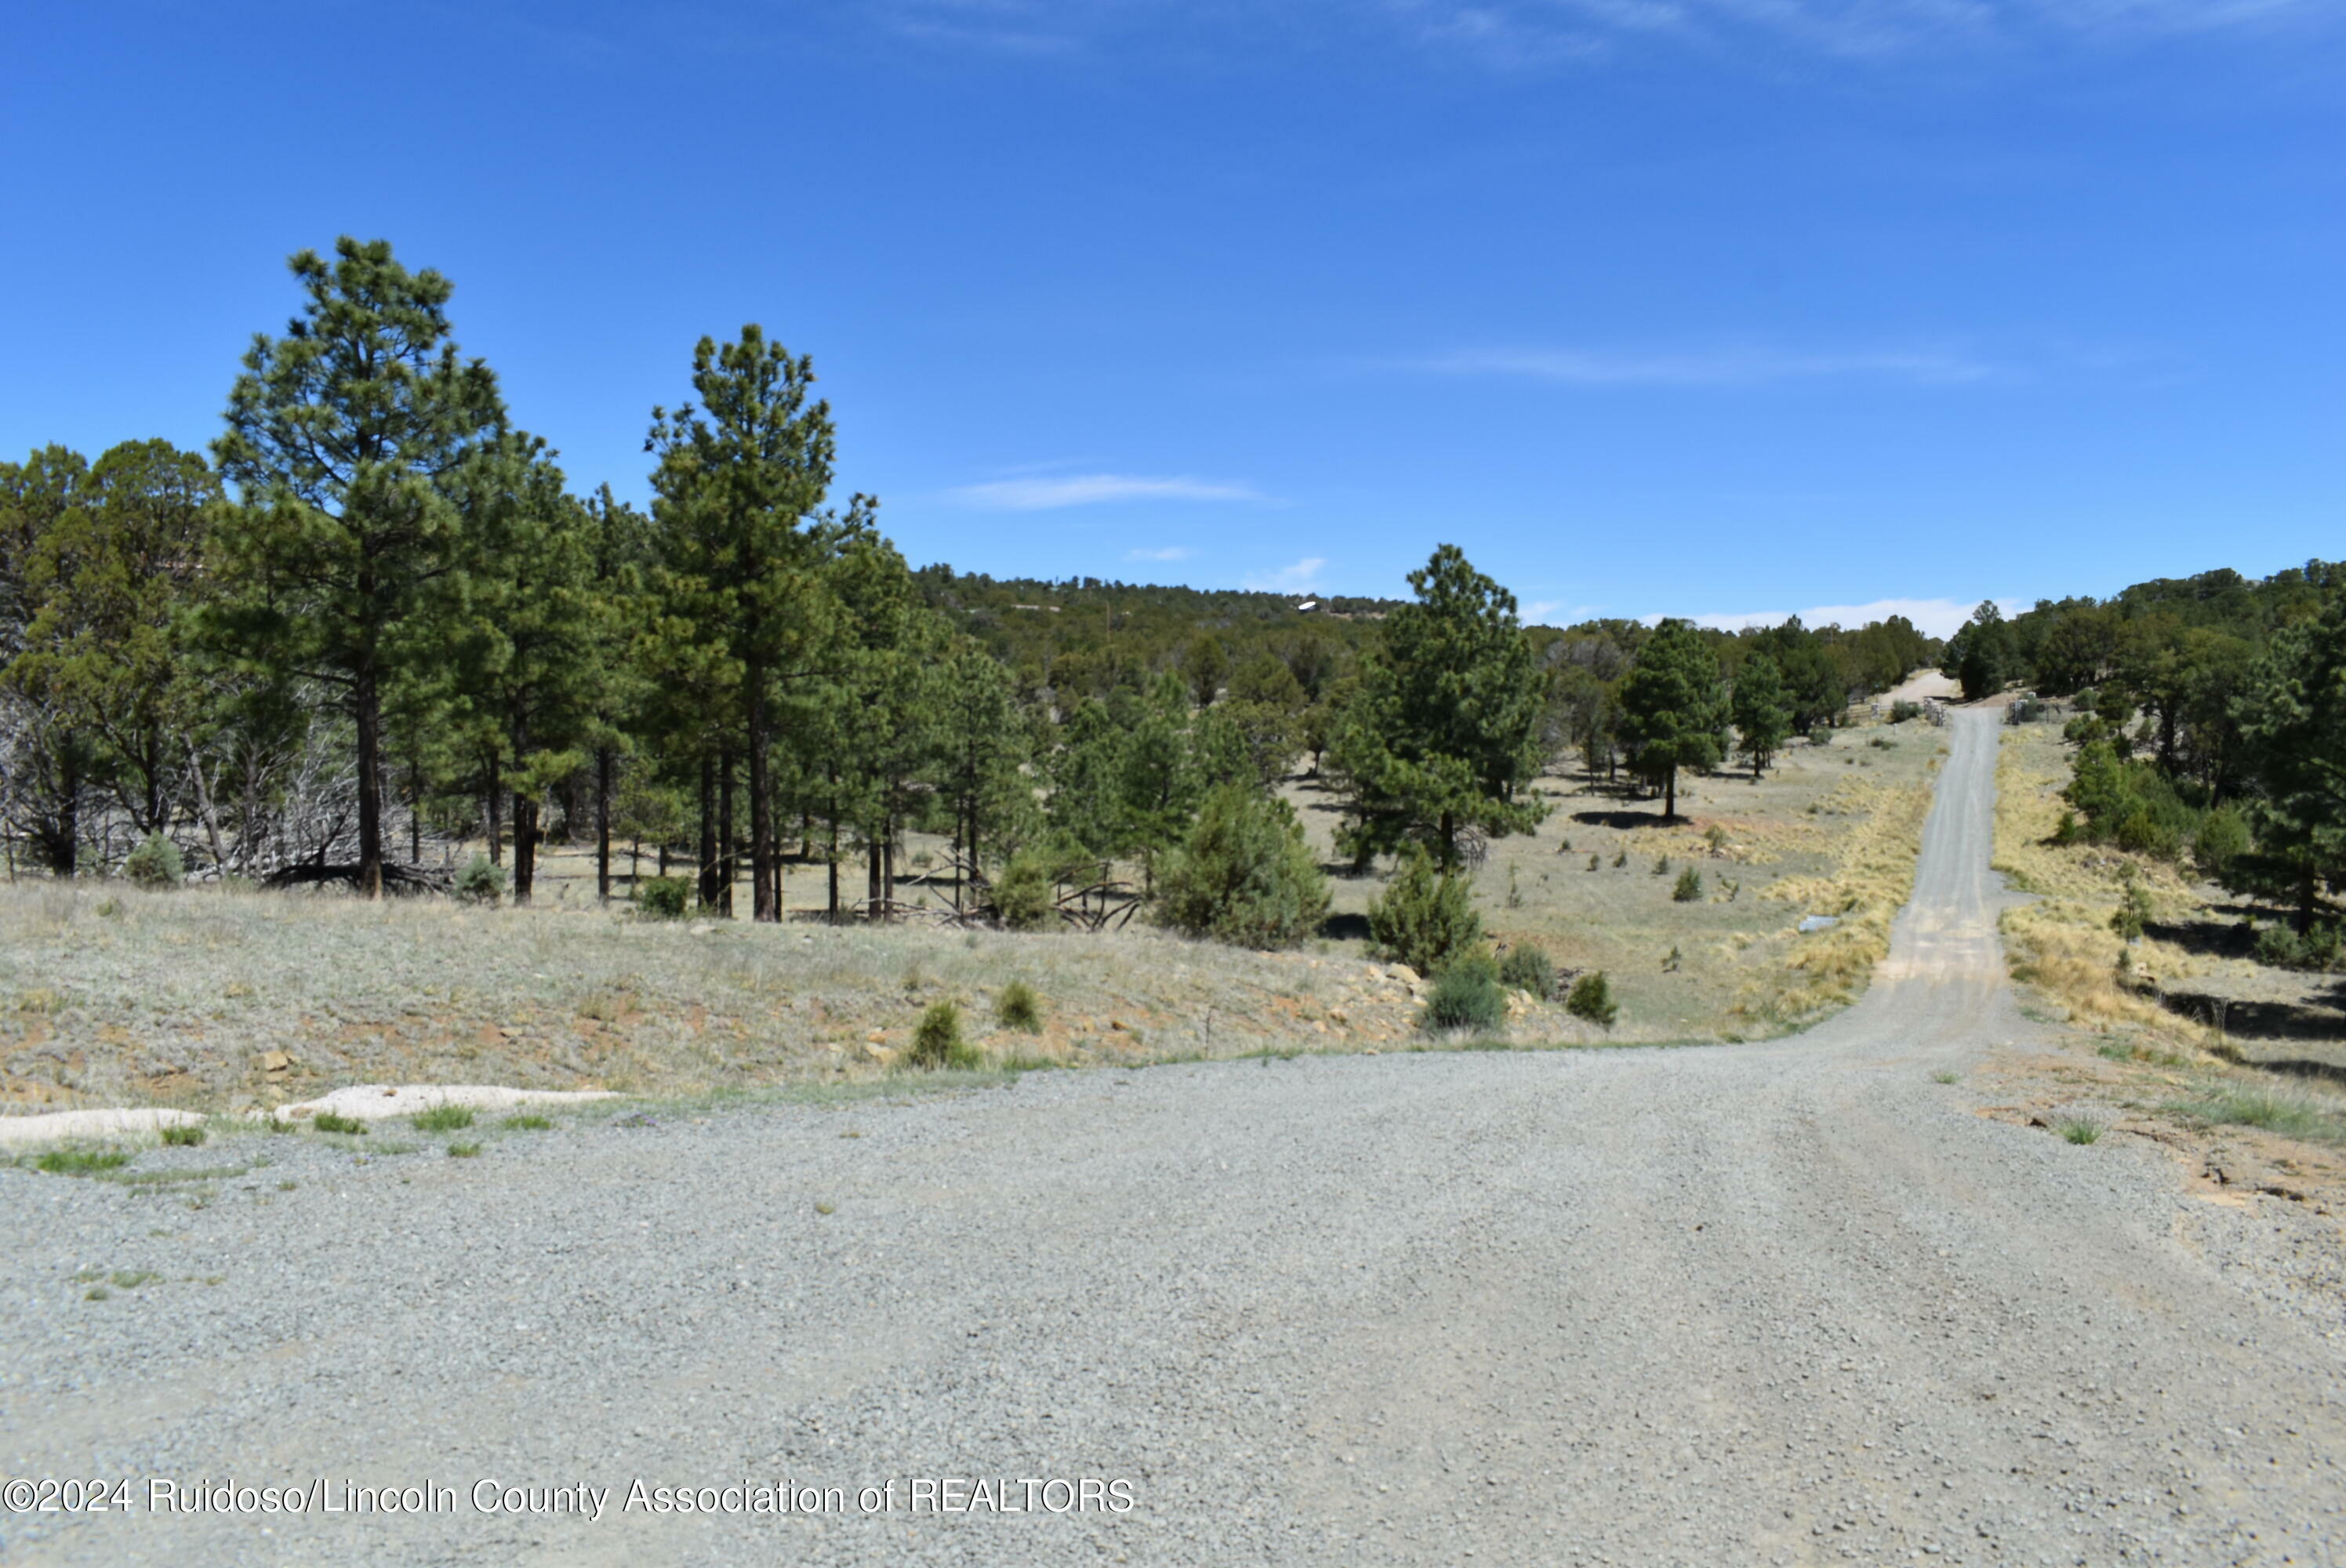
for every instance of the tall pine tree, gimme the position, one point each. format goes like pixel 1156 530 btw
pixel 739 486
pixel 1444 737
pixel 1761 710
pixel 1671 715
pixel 343 436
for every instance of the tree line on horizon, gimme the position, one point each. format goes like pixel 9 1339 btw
pixel 2209 727
pixel 378 609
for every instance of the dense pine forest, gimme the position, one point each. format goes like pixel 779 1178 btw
pixel 376 621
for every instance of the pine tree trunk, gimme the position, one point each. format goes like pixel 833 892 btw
pixel 603 824
pixel 490 810
pixel 524 817
pixel 65 855
pixel 833 855
pixel 872 910
pixel 708 831
pixel 1670 795
pixel 764 875
pixel 727 845
pixel 368 711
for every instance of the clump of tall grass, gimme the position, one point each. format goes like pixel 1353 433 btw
pixel 1017 1007
pixel 2294 1115
pixel 937 1041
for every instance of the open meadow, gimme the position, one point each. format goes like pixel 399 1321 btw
pixel 217 999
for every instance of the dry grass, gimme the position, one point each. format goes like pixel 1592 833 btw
pixel 2062 943
pixel 1830 830
pixel 1872 877
pixel 223 1000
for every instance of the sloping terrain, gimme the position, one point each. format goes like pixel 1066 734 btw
pixel 1792 1302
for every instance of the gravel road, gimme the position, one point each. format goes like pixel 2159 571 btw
pixel 1781 1303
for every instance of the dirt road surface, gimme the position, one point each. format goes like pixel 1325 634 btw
pixel 1765 1304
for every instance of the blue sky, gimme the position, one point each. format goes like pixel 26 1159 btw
pixel 1704 307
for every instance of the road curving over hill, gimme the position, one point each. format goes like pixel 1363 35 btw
pixel 1790 1302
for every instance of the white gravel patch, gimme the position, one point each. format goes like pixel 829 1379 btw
pixel 379 1102
pixel 56 1126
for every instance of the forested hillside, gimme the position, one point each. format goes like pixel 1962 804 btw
pixel 2209 727
pixel 377 621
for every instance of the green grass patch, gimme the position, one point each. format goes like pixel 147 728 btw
pixel 526 1124
pixel 2275 1110
pixel 80 1162
pixel 463 1151
pixel 334 1122
pixel 443 1119
pixel 185 1137
pixel 2081 1130
pixel 1945 1077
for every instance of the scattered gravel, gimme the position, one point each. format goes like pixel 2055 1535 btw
pixel 1783 1303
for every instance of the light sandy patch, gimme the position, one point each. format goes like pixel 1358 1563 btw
pixel 52 1126
pixel 377 1102
pixel 1921 685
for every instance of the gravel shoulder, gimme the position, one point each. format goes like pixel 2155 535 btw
pixel 1793 1302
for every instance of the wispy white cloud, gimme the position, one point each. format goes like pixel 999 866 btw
pixel 1532 32
pixel 1292 579
pixel 1049 493
pixel 1169 553
pixel 1934 618
pixel 1529 36
pixel 1721 367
